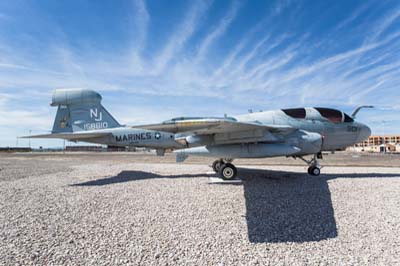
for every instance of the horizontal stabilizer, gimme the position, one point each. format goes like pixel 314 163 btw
pixel 69 136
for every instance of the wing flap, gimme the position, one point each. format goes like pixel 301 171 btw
pixel 214 126
pixel 182 126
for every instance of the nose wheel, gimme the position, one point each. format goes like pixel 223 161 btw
pixel 225 169
pixel 314 168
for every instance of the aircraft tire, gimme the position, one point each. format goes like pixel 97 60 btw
pixel 227 171
pixel 313 170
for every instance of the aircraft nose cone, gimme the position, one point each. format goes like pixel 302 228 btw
pixel 365 132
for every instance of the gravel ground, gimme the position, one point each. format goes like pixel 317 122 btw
pixel 102 210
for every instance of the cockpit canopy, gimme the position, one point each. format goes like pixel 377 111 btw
pixel 299 113
pixel 333 115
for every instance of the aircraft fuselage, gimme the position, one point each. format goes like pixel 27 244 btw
pixel 335 135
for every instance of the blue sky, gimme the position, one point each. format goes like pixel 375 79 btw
pixel 153 60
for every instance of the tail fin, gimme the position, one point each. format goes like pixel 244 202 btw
pixel 80 110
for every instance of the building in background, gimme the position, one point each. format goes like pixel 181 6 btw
pixel 102 148
pixel 387 143
pixel 15 149
pixel 84 148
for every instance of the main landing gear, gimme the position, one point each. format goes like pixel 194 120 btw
pixel 225 169
pixel 314 166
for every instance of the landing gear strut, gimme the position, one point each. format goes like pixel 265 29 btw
pixel 217 165
pixel 225 169
pixel 314 166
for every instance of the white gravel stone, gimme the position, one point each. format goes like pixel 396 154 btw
pixel 110 210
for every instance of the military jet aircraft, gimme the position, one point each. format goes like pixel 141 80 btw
pixel 293 132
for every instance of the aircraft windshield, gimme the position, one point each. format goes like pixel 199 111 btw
pixel 299 113
pixel 347 118
pixel 332 115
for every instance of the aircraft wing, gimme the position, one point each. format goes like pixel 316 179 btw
pixel 70 136
pixel 206 126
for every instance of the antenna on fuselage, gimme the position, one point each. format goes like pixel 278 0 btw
pixel 353 115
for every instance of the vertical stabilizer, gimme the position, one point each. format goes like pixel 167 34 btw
pixel 80 110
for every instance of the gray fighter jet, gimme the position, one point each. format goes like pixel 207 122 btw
pixel 288 132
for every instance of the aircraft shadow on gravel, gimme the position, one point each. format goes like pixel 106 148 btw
pixel 289 206
pixel 127 176
pixel 280 206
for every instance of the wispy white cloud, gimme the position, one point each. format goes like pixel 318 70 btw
pixel 217 32
pixel 20 119
pixel 14 66
pixel 281 5
pixel 353 16
pixel 181 35
pixel 141 23
pixel 142 19
pixel 238 48
pixel 28 119
pixel 384 24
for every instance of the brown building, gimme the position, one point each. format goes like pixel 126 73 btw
pixel 387 143
pixel 379 140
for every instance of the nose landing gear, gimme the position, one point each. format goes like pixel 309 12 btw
pixel 225 169
pixel 314 166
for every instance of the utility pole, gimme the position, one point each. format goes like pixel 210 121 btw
pixel 30 132
pixel 383 133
